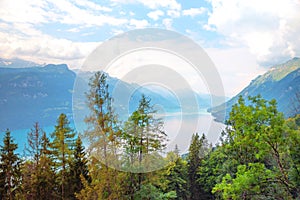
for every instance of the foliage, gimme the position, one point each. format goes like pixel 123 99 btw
pixel 10 173
pixel 62 152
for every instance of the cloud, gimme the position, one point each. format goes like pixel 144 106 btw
pixel 153 4
pixel 173 13
pixel 76 12
pixel 139 23
pixel 194 11
pixel 93 6
pixel 270 29
pixel 44 49
pixel 154 15
pixel 168 23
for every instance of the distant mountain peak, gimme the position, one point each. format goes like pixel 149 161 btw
pixel 17 63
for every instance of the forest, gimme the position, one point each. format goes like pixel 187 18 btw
pixel 257 156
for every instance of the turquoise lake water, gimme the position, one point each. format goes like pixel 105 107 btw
pixel 179 129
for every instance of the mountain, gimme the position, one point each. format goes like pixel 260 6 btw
pixel 17 63
pixel 41 93
pixel 34 94
pixel 281 82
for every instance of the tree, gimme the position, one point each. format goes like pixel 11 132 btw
pixel 47 176
pixel 78 169
pixel 103 132
pixel 144 138
pixel 104 139
pixel 213 167
pixel 30 169
pixel 175 176
pixel 198 149
pixel 62 150
pixel 10 172
pixel 256 139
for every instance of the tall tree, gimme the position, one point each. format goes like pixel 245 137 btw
pixel 47 176
pixel 30 169
pixel 198 149
pixel 103 131
pixel 103 137
pixel 10 172
pixel 78 169
pixel 144 138
pixel 175 176
pixel 62 150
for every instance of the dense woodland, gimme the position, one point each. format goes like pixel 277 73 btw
pixel 257 157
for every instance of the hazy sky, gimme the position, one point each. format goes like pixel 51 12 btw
pixel 242 37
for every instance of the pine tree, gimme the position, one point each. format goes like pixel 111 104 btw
pixel 10 172
pixel 30 171
pixel 38 173
pixel 175 176
pixel 47 177
pixel 103 132
pixel 62 151
pixel 103 137
pixel 197 150
pixel 78 169
pixel 143 139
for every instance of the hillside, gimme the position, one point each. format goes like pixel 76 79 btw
pixel 35 93
pixel 41 93
pixel 281 82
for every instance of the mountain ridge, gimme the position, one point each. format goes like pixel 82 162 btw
pixel 281 82
pixel 41 93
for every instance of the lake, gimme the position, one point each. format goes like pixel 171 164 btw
pixel 179 129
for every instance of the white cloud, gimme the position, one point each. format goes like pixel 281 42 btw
pixel 270 28
pixel 153 4
pixel 81 12
pixel 93 6
pixel 155 15
pixel 77 16
pixel 139 23
pixel 168 23
pixel 194 11
pixel 173 13
pixel 44 49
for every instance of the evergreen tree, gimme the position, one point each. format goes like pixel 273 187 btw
pixel 143 139
pixel 103 137
pixel 197 150
pixel 103 132
pixel 48 189
pixel 62 151
pixel 30 169
pixel 175 176
pixel 10 172
pixel 78 169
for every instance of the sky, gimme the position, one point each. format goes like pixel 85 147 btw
pixel 243 38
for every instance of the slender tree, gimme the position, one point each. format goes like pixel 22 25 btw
pixel 78 169
pixel 10 173
pixel 198 149
pixel 104 139
pixel 62 151
pixel 144 138
pixel 30 169
pixel 103 131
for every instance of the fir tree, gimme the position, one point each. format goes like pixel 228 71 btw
pixel 197 150
pixel 10 172
pixel 62 150
pixel 78 168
